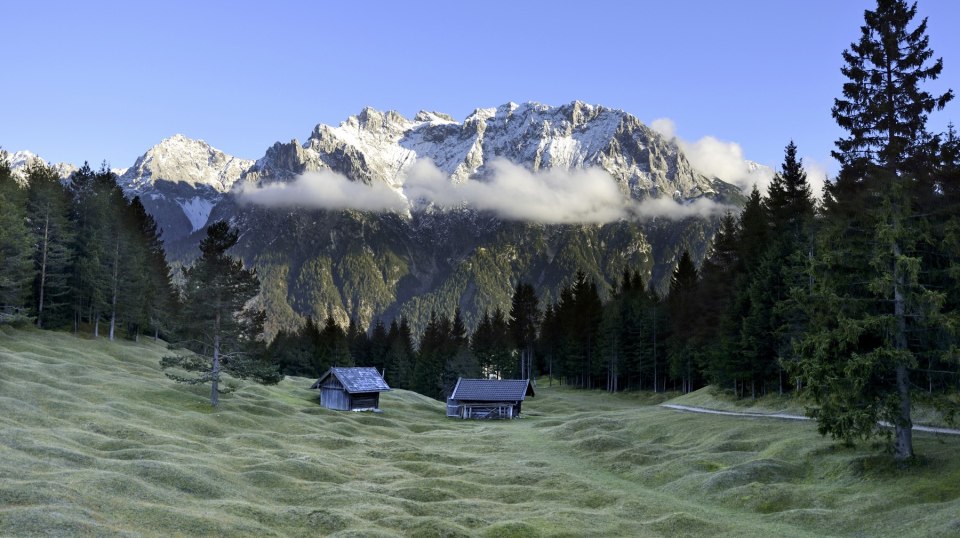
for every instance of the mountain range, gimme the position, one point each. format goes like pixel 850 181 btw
pixel 323 246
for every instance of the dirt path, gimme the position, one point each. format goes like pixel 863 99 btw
pixel 928 429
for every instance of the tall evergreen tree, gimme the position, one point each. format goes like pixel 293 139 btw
pixel 400 354
pixel 377 345
pixel 428 372
pixel 684 326
pixel 48 213
pixel 524 323
pixel 16 262
pixel 791 206
pixel 157 296
pixel 869 319
pixel 220 326
pixel 333 348
pixel 90 281
pixel 716 297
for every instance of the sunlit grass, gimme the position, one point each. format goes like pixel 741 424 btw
pixel 94 440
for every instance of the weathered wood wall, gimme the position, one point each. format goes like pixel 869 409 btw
pixel 334 398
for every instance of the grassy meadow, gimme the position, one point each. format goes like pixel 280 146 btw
pixel 95 441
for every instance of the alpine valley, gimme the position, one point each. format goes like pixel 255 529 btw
pixel 363 265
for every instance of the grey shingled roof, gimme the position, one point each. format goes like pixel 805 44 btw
pixel 492 390
pixel 357 379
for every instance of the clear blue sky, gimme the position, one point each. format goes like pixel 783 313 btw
pixel 107 80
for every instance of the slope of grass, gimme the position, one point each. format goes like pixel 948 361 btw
pixel 711 397
pixel 94 440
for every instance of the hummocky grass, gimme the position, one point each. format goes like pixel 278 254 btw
pixel 94 440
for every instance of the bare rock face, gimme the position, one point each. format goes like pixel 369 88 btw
pixel 283 162
pixel 180 181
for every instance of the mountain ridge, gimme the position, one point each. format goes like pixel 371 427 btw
pixel 358 265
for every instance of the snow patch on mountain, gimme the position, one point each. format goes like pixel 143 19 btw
pixel 197 210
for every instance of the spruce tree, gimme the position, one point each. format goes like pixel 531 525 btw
pixel 48 213
pixel 16 262
pixel 871 307
pixel 400 355
pixel 428 372
pixel 158 298
pixel 718 274
pixel 524 322
pixel 582 322
pixel 684 327
pixel 376 346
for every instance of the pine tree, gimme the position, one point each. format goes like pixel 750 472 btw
pixel 460 360
pixel 48 214
pixel 333 348
pixel 90 281
pixel 524 322
pixel 872 309
pixel 377 345
pixel 719 274
pixel 791 207
pixel 684 326
pixel 634 308
pixel 222 330
pixel 428 372
pixel 16 262
pixel 158 298
pixel 400 354
pixel 582 321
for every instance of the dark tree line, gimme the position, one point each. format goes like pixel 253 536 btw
pixel 502 346
pixel 76 254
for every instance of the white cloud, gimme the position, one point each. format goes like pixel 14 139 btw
pixel 718 158
pixel 326 190
pixel 512 192
pixel 671 209
pixel 817 175
pixel 665 127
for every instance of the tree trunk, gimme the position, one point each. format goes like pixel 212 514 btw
pixel 44 245
pixel 655 374
pixel 903 445
pixel 113 300
pixel 215 373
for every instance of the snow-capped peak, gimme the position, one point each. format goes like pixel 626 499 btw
pixel 20 161
pixel 185 160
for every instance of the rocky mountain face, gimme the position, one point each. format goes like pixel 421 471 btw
pixel 361 264
pixel 180 180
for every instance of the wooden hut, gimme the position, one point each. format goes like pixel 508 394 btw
pixel 488 398
pixel 351 389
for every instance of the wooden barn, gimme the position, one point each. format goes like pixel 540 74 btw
pixel 351 389
pixel 488 398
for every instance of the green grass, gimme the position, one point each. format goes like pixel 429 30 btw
pixel 95 441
